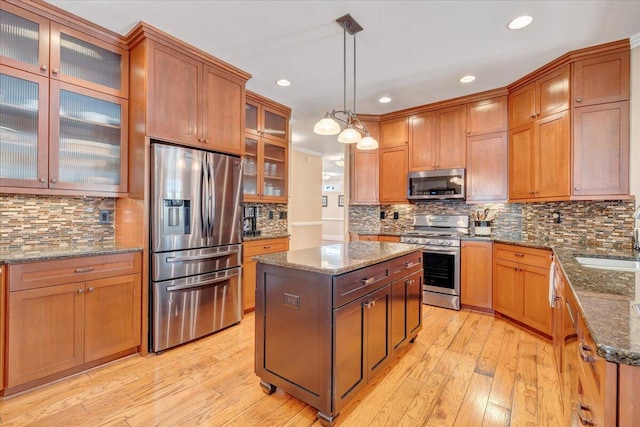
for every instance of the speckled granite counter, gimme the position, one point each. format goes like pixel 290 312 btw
pixel 338 258
pixel 265 236
pixel 58 252
pixel 604 297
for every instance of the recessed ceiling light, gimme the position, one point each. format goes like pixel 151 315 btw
pixel 384 100
pixel 520 22
pixel 283 82
pixel 467 79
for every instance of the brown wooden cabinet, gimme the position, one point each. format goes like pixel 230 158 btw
pixel 394 133
pixel 521 285
pixel 437 139
pixel 47 48
pixel 487 116
pixel 601 79
pixel 67 315
pixel 393 175
pixel 192 102
pixel 265 172
pixel 364 180
pixel 540 158
pixel 547 95
pixel 487 168
pixel 252 248
pixel 476 274
pixel 601 149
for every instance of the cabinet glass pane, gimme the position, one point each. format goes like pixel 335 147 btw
pixel 19 38
pixel 275 125
pixel 251 117
pixel 88 62
pixel 89 144
pixel 18 128
pixel 274 170
pixel 250 170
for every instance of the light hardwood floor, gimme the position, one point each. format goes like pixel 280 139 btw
pixel 465 369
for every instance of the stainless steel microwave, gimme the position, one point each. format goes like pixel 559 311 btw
pixel 437 184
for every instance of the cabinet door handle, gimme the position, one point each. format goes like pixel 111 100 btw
pixel 368 280
pixel 518 254
pixel 53 181
pixel 584 349
pixel 266 247
pixel 54 71
pixel 43 67
pixel 577 189
pixel 579 99
pixel 80 290
pixel 369 304
pixel 91 288
pixel 409 282
pixel 83 270
pixel 42 180
pixel 583 419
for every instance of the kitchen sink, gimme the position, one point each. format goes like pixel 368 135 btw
pixel 619 264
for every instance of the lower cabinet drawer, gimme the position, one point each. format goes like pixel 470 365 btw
pixel 522 255
pixel 349 286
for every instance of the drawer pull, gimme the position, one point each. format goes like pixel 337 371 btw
pixel 369 304
pixel 409 282
pixel 83 270
pixel 518 254
pixel 410 264
pixel 583 419
pixel 368 281
pixel 266 247
pixel 584 349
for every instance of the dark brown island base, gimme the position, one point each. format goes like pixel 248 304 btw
pixel 329 319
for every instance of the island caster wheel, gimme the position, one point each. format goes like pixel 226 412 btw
pixel 326 420
pixel 268 388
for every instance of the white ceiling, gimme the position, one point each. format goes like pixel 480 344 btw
pixel 412 51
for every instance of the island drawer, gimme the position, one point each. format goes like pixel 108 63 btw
pixel 71 270
pixel 405 265
pixel 355 284
pixel 523 255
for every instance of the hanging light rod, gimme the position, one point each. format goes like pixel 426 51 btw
pixel 354 128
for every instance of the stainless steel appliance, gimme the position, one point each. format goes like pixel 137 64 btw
pixel 437 184
pixel 195 244
pixel 439 236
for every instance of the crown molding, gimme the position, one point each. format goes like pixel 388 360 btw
pixel 635 40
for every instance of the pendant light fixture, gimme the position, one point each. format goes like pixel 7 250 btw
pixel 355 131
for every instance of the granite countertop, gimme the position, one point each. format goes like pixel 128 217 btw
pixel 59 252
pixel 337 258
pixel 266 236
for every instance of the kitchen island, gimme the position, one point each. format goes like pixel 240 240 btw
pixel 330 318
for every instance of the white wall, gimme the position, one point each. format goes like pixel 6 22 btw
pixel 333 218
pixel 305 210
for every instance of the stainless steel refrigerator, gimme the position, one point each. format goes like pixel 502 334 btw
pixel 196 245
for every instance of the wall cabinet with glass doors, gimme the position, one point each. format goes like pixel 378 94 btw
pixel 266 156
pixel 64 109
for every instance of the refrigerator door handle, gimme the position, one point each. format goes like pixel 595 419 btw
pixel 212 196
pixel 224 278
pixel 200 257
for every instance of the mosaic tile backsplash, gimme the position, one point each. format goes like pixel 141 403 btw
pixel 28 222
pixel 605 224
pixel 271 226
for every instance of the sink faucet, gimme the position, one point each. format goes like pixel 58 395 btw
pixel 636 230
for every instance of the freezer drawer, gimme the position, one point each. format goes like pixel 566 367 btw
pixel 189 308
pixel 176 264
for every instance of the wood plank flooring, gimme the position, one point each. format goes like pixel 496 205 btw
pixel 465 369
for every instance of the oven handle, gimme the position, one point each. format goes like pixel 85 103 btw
pixel 224 278
pixel 439 250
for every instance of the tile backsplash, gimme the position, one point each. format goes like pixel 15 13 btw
pixel 273 226
pixel 606 224
pixel 28 222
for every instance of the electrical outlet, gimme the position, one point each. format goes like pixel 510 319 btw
pixel 383 215
pixel 396 215
pixel 270 214
pixel 105 216
pixel 557 217
pixel 282 214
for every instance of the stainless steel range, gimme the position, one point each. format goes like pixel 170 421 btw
pixel 439 236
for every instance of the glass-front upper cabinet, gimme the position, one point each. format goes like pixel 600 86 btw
pixel 266 122
pixel 274 169
pixel 250 170
pixel 24 40
pixel 35 44
pixel 88 139
pixel 23 128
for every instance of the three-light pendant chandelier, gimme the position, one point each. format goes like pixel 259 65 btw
pixel 355 131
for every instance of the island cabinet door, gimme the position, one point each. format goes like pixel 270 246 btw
pixel 377 331
pixel 406 308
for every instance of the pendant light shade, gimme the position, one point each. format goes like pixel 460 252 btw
pixel 349 136
pixel 367 143
pixel 331 123
pixel 327 126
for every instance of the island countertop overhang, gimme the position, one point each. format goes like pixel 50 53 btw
pixel 339 258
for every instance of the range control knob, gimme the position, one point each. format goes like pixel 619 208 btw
pixel 440 242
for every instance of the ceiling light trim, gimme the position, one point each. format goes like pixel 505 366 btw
pixel 520 22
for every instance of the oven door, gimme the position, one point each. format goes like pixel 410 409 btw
pixel 441 267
